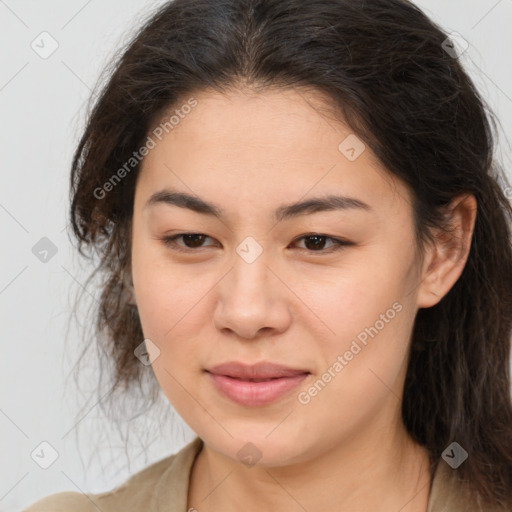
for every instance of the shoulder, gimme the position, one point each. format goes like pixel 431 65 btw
pixel 62 502
pixel 449 493
pixel 141 484
pixel 138 486
pixel 139 492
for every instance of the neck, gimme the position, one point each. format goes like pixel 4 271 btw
pixel 388 473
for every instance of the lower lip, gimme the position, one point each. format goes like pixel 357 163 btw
pixel 255 394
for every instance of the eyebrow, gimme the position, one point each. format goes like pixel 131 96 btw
pixel 313 205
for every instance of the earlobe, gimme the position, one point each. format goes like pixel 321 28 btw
pixel 132 301
pixel 129 290
pixel 446 256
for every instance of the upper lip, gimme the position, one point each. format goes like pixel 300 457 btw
pixel 261 370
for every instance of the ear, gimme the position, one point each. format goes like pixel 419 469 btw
pixel 446 256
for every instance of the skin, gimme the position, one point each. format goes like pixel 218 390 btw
pixel 249 153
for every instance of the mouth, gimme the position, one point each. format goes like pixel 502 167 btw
pixel 264 370
pixel 255 385
pixel 253 380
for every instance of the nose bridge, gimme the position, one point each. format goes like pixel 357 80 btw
pixel 250 268
pixel 248 299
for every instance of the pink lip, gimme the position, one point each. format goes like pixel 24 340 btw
pixel 232 379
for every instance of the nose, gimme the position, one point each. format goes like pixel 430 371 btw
pixel 253 300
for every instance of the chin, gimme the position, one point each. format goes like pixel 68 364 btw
pixel 256 447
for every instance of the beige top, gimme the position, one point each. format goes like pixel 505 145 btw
pixel 163 487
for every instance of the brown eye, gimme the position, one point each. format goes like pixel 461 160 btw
pixel 315 242
pixel 191 241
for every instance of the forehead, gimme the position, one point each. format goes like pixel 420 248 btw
pixel 244 119
pixel 266 147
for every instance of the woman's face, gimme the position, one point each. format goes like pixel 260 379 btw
pixel 259 287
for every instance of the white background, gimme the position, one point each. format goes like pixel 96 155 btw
pixel 42 111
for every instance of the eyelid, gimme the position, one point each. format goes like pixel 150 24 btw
pixel 338 243
pixel 170 241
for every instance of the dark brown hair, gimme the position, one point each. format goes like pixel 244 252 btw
pixel 388 75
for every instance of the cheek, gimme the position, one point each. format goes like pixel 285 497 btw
pixel 362 372
pixel 172 309
pixel 169 306
pixel 165 294
pixel 352 300
pixel 370 314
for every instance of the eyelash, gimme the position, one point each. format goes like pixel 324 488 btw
pixel 169 241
